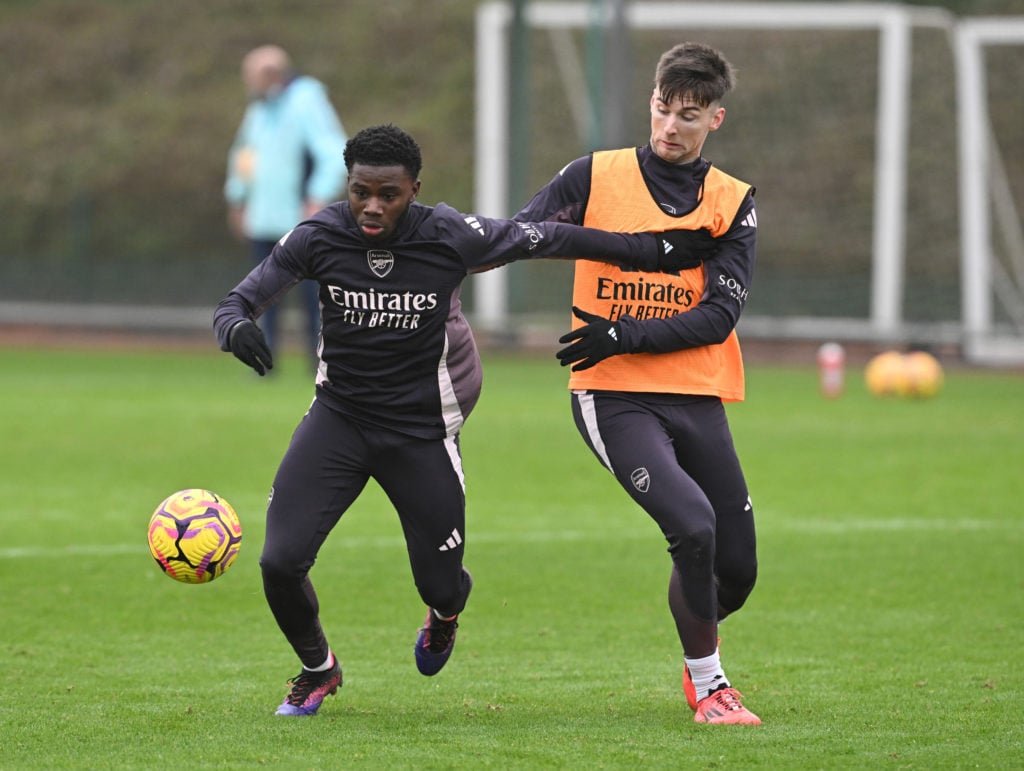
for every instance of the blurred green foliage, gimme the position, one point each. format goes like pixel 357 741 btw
pixel 117 117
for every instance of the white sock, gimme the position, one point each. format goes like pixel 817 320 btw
pixel 707 674
pixel 323 667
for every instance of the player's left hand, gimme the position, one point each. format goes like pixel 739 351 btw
pixel 597 340
pixel 247 343
pixel 683 249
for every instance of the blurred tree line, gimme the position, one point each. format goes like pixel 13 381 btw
pixel 117 117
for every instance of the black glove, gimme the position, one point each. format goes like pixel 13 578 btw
pixel 598 340
pixel 683 249
pixel 246 341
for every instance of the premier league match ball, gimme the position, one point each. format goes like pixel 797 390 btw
pixel 194 536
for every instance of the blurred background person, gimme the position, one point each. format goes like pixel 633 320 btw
pixel 286 163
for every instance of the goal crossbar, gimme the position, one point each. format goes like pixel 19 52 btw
pixel 893 23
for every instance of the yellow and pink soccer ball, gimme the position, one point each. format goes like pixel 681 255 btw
pixel 194 536
pixel 916 374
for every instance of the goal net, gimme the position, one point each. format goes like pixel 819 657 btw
pixel 841 119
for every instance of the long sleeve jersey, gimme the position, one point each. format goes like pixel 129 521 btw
pixel 678 190
pixel 396 351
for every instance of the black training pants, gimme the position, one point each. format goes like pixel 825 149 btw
pixel 674 455
pixel 327 465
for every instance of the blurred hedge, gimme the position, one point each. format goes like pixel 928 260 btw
pixel 117 117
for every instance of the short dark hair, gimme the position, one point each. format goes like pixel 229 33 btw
pixel 385 145
pixel 693 70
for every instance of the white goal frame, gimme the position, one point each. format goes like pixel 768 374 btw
pixel 895 25
pixel 984 193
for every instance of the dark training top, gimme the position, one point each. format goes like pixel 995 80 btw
pixel 396 351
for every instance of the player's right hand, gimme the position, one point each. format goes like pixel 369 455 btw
pixel 595 341
pixel 684 249
pixel 249 346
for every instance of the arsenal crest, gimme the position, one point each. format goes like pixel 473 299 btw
pixel 381 262
pixel 641 479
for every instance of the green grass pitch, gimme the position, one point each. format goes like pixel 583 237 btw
pixel 886 631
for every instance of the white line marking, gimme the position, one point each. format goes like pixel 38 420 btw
pixel 765 524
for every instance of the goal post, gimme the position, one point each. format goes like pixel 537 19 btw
pixel 987 199
pixel 885 317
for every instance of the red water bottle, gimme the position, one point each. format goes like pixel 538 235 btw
pixel 831 364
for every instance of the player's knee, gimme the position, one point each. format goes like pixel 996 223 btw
pixel 735 586
pixel 280 565
pixel 272 569
pixel 693 545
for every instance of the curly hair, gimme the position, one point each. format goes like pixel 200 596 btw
pixel 385 145
pixel 693 70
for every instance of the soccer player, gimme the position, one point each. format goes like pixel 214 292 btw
pixel 398 374
pixel 655 357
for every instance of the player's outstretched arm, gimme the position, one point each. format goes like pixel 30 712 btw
pixel 486 243
pixel 668 252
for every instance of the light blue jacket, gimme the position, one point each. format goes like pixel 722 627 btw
pixel 280 141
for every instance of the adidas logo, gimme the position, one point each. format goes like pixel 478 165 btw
pixel 453 540
pixel 613 334
pixel 666 247
pixel 750 220
pixel 474 223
